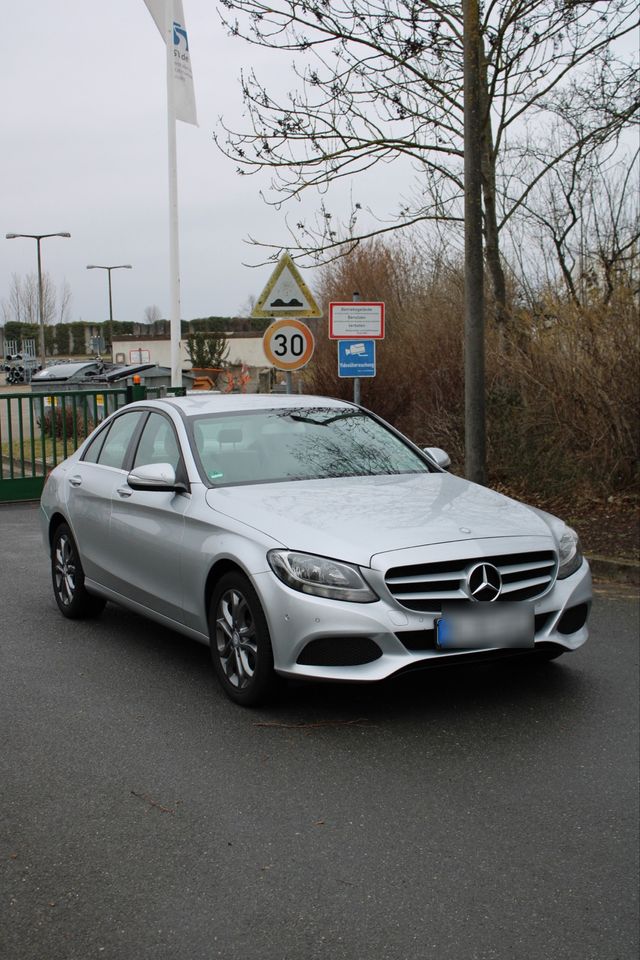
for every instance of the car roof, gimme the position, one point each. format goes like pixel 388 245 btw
pixel 196 406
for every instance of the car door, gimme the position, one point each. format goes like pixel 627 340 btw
pixel 147 527
pixel 91 482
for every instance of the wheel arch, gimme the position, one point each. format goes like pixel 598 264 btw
pixel 55 521
pixel 218 570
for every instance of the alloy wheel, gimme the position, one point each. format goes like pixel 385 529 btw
pixel 65 570
pixel 236 639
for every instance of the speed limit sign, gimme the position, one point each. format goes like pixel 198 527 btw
pixel 288 344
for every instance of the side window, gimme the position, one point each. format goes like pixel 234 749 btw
pixel 92 452
pixel 115 446
pixel 158 443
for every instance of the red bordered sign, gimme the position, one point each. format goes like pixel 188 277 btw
pixel 288 344
pixel 356 320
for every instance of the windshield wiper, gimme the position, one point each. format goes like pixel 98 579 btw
pixel 323 423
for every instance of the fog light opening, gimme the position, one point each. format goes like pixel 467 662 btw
pixel 573 619
pixel 339 652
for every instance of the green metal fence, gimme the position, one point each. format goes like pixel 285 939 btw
pixel 39 430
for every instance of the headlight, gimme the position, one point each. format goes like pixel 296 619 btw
pixel 570 553
pixel 320 577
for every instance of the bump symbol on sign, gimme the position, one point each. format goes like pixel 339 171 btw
pixel 286 294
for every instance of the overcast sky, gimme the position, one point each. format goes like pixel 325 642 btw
pixel 84 150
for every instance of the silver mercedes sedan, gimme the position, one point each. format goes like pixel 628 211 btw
pixel 304 537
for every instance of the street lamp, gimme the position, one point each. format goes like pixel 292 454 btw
pixel 119 266
pixel 38 237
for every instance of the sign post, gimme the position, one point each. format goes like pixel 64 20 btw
pixel 355 296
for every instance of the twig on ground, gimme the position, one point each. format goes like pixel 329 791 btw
pixel 152 802
pixel 318 723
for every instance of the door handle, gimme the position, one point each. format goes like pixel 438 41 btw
pixel 75 481
pixel 124 491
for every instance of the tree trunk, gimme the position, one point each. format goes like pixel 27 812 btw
pixel 491 236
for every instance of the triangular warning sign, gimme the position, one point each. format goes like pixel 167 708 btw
pixel 286 294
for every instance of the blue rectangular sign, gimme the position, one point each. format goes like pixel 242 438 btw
pixel 356 358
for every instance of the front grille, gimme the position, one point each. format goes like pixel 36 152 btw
pixel 426 586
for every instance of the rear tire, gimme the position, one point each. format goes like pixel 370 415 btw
pixel 240 643
pixel 73 599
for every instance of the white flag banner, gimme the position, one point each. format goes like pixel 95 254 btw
pixel 185 100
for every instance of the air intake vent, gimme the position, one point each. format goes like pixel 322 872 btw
pixel 424 587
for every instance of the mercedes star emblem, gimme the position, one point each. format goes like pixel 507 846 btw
pixel 485 582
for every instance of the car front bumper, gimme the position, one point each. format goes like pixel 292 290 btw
pixel 297 620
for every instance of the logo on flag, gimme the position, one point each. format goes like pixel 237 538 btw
pixel 180 33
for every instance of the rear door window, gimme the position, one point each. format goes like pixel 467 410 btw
pixel 114 449
pixel 92 452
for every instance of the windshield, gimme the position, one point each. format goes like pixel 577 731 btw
pixel 304 443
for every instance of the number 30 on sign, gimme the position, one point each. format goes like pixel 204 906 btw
pixel 288 344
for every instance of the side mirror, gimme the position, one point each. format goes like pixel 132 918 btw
pixel 440 457
pixel 155 476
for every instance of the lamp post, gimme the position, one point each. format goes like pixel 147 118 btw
pixel 119 266
pixel 38 237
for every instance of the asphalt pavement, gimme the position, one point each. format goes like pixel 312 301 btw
pixel 486 812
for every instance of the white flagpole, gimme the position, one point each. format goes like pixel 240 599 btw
pixel 174 253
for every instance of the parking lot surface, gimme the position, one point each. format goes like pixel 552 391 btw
pixel 488 812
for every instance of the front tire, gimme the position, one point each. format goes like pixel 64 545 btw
pixel 240 643
pixel 73 599
pixel 548 652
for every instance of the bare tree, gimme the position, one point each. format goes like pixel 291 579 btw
pixel 152 314
pixel 64 302
pixel 246 309
pixel 379 80
pixel 588 219
pixel 21 304
pixel 12 306
pixel 614 244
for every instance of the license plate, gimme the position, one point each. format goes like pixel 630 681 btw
pixel 483 626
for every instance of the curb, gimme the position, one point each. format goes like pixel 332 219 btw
pixel 622 571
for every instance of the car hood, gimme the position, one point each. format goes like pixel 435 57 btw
pixel 354 518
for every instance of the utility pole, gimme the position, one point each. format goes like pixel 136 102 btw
pixel 474 400
pixel 39 237
pixel 119 266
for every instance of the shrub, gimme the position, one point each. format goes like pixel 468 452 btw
pixel 78 340
pixel 209 325
pixel 207 350
pixel 571 420
pixel 59 421
pixel 16 330
pixel 561 387
pixel 62 337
